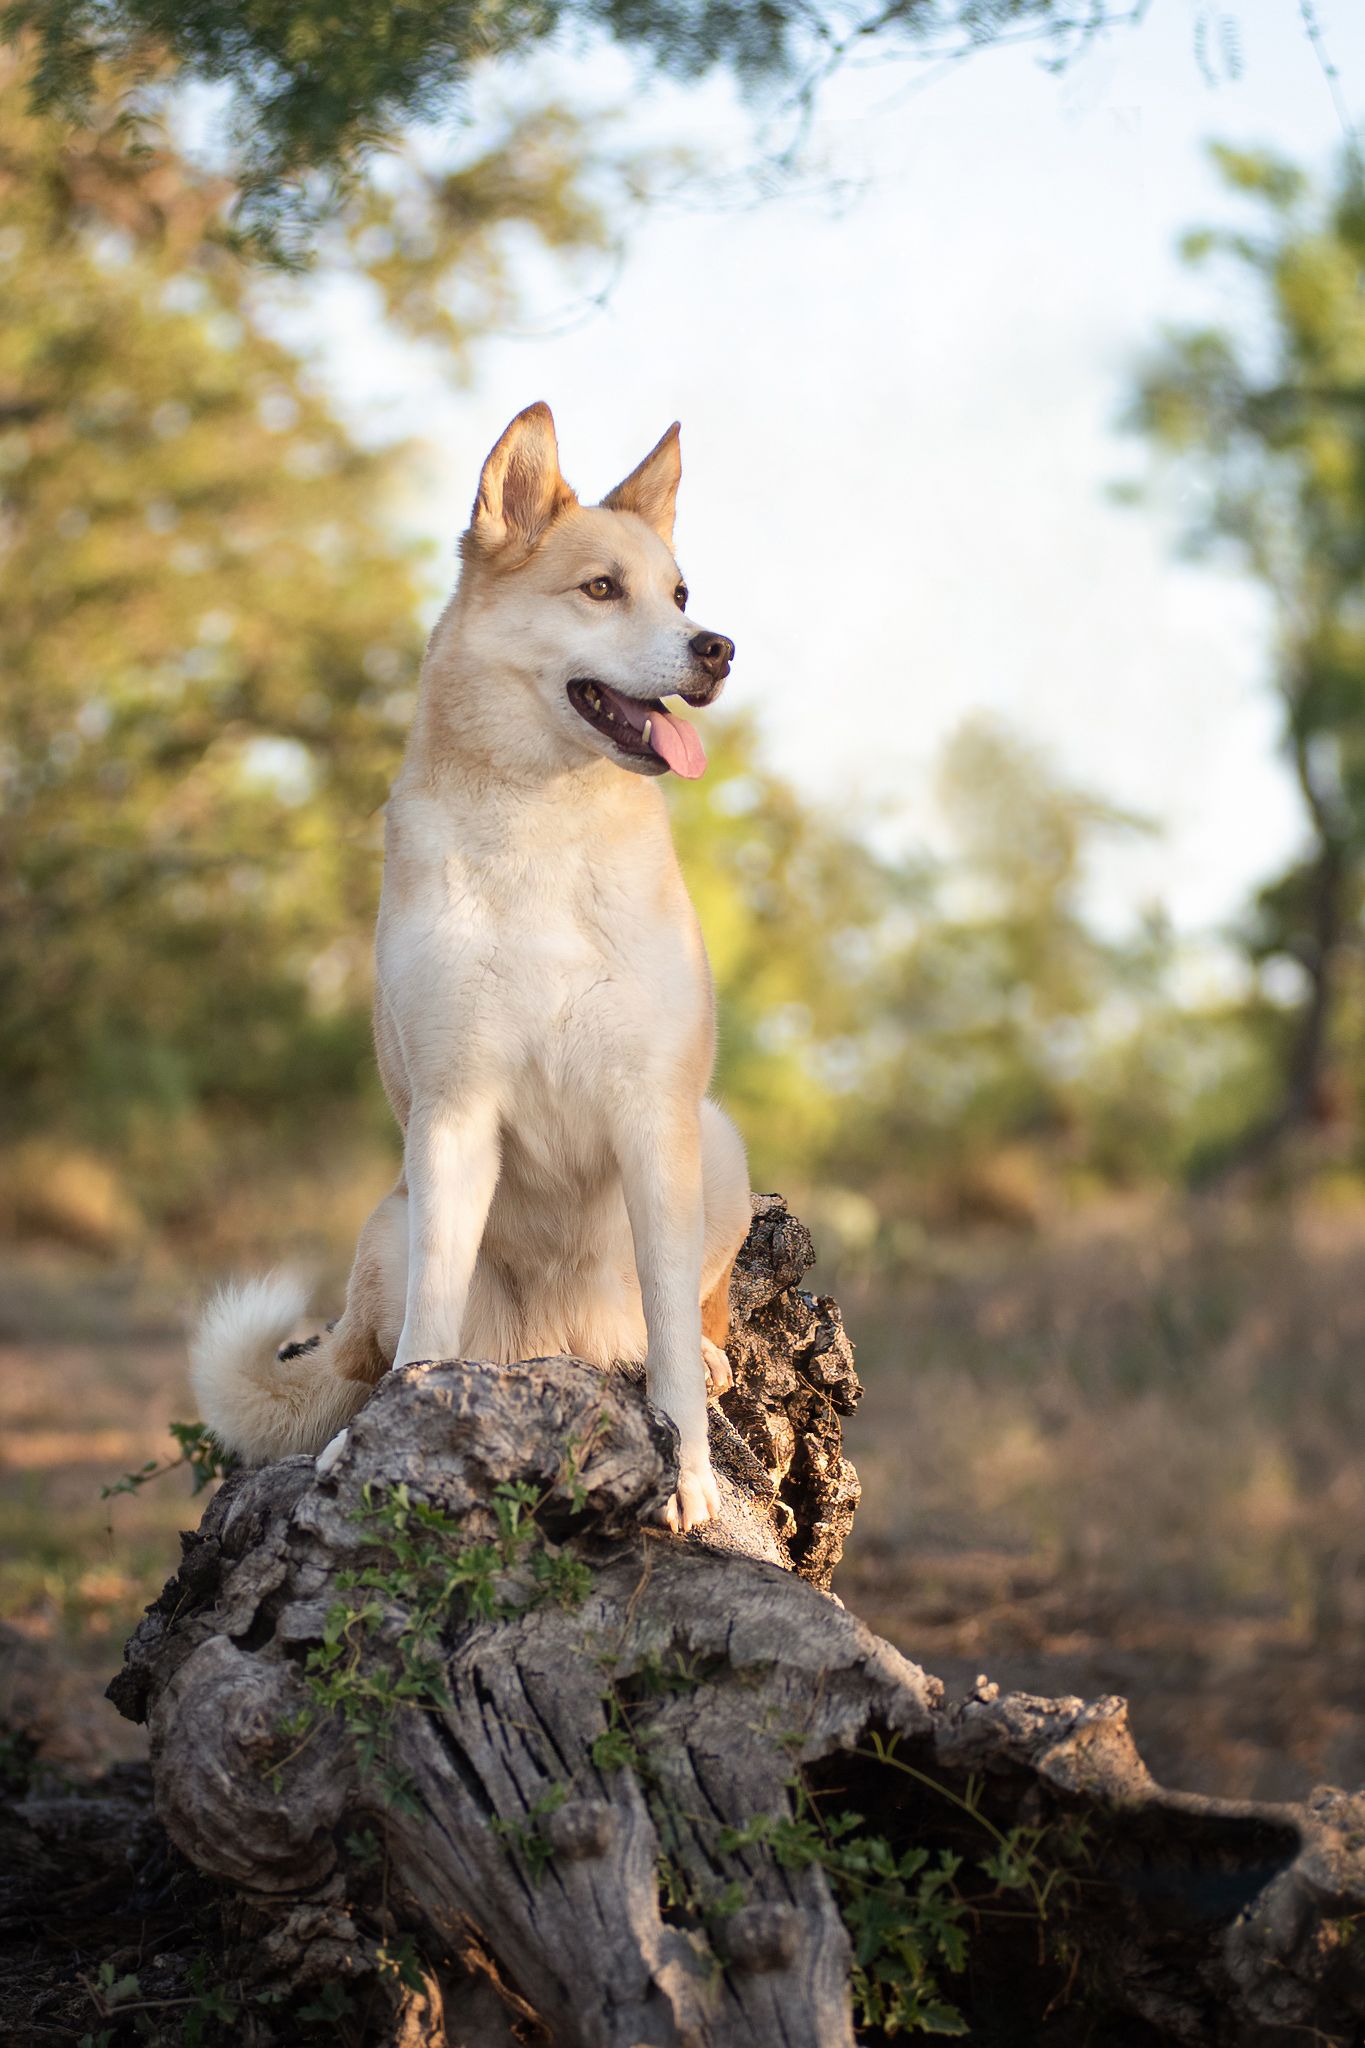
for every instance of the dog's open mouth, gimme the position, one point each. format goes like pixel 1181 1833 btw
pixel 640 726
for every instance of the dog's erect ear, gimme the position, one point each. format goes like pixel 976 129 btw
pixel 651 491
pixel 521 492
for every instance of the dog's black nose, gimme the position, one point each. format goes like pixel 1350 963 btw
pixel 713 652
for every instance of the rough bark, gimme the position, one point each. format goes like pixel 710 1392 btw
pixel 544 1819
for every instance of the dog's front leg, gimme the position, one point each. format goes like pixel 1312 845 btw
pixel 451 1158
pixel 660 1158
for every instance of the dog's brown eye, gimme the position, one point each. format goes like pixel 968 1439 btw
pixel 600 587
pixel 680 597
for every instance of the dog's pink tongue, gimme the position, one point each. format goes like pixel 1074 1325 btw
pixel 678 743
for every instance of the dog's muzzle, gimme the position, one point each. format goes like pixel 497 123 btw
pixel 712 653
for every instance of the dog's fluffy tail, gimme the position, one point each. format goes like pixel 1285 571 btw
pixel 256 1403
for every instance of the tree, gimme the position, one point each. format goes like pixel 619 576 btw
pixel 470 1755
pixel 315 85
pixel 208 645
pixel 797 913
pixel 208 648
pixel 1272 423
pixel 208 630
pixel 990 1011
pixel 897 1027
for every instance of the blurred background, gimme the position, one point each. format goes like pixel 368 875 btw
pixel 1021 364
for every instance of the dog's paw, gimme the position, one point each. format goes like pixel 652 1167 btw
pixel 719 1378
pixel 697 1499
pixel 329 1453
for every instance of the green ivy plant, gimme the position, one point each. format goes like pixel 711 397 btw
pixel 200 1453
pixel 910 1913
pixel 426 1564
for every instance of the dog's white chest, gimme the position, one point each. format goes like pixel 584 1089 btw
pixel 576 970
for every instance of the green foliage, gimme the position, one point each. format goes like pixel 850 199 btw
pixel 903 1913
pixel 910 1908
pixel 794 909
pixel 997 988
pixel 205 2013
pixel 332 2003
pixel 615 1749
pixel 399 1961
pixel 208 645
pixel 213 2011
pixel 315 87
pixel 1269 425
pixel 208 632
pixel 111 1989
pixel 911 1913
pixel 428 1568
pixel 199 598
pixel 200 1451
pixel 207 2010
pixel 527 1838
pixel 886 1024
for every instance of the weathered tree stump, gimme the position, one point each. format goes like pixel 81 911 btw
pixel 454 1720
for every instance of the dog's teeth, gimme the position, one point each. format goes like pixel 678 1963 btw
pixel 645 734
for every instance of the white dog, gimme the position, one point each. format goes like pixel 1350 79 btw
pixel 544 1016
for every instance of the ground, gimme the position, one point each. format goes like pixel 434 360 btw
pixel 1119 1458
pixel 1125 1459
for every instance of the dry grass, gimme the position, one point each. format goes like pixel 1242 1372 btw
pixel 1124 1457
pixel 1127 1458
pixel 92 1367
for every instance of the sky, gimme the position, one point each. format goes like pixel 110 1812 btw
pixel 901 387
